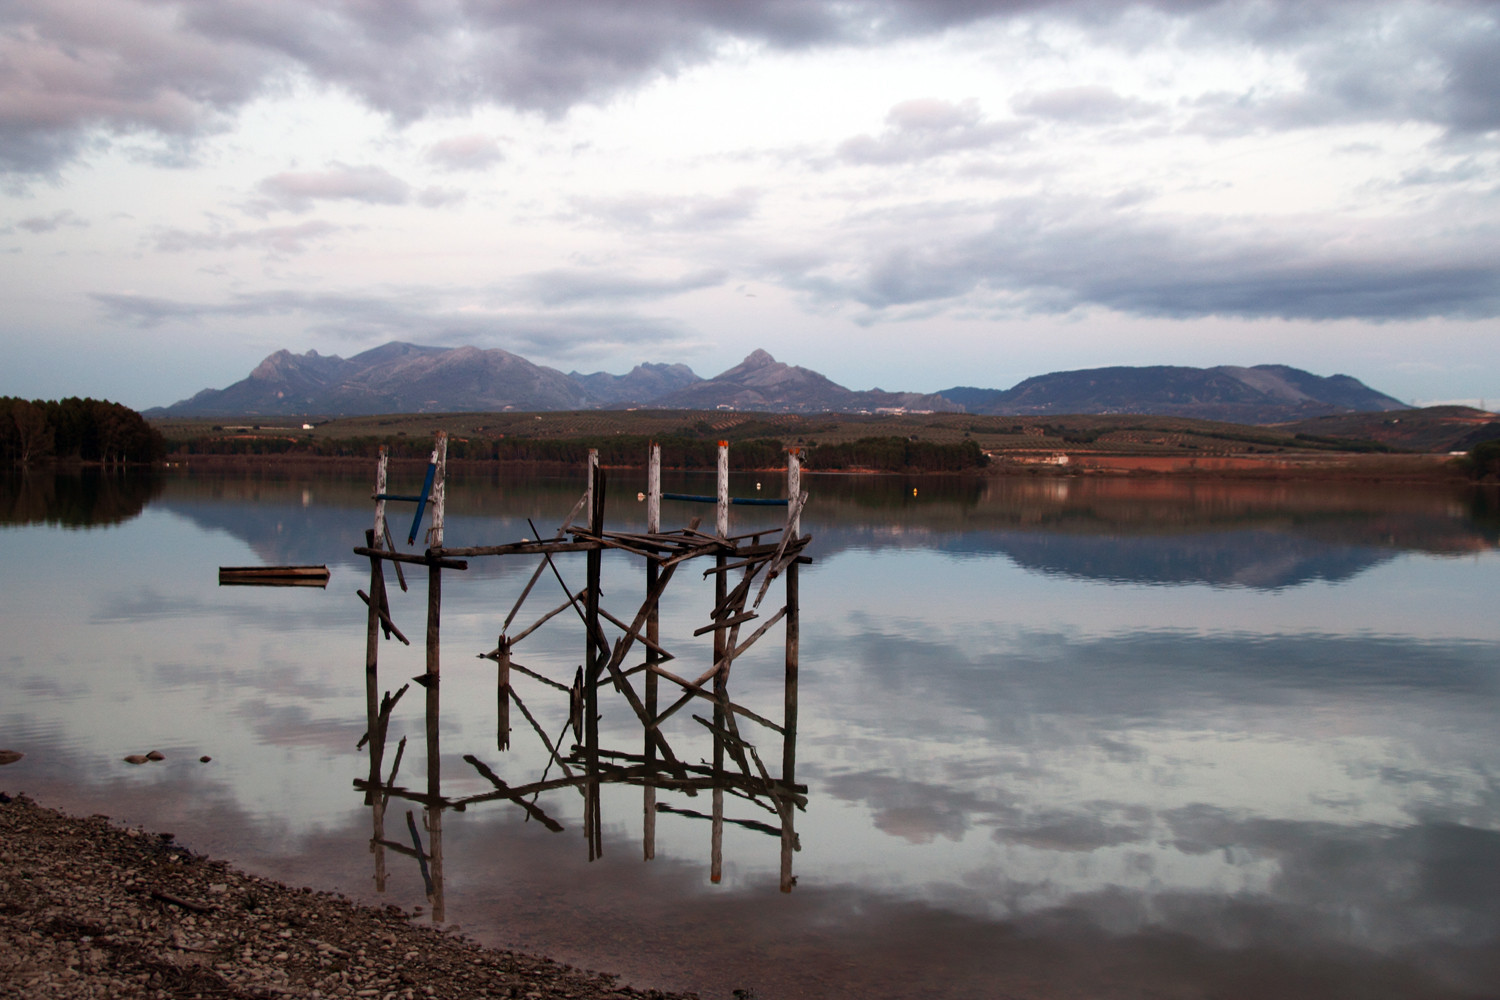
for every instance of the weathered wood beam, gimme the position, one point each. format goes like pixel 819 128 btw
pixel 431 559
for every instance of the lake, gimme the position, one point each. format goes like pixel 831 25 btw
pixel 1060 737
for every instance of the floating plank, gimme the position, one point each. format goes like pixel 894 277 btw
pixel 273 576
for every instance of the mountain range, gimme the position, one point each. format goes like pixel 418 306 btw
pixel 409 378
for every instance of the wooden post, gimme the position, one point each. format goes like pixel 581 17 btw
pixel 434 571
pixel 433 811
pixel 793 644
pixel 593 824
pixel 374 731
pixel 653 635
pixel 380 487
pixel 721 694
pixel 722 522
pixel 439 490
pixel 588 502
pixel 794 486
pixel 372 660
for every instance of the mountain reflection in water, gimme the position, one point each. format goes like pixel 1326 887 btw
pixel 1059 737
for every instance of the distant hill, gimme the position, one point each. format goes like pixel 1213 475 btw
pixel 1260 395
pixel 392 378
pixel 641 385
pixel 762 383
pixel 409 378
pixel 1433 428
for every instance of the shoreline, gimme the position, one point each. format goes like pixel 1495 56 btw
pixel 92 909
pixel 1413 468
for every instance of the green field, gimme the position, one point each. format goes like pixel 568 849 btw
pixel 1130 434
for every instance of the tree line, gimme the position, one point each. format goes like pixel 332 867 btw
pixel 35 432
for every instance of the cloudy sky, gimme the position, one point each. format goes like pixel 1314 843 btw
pixel 909 194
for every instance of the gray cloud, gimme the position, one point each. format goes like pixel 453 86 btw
pixel 73 70
pixel 465 152
pixel 924 128
pixel 418 316
pixel 280 239
pixel 566 287
pixel 51 223
pixel 1040 257
pixel 1087 104
pixel 440 197
pixel 367 183
pixel 1428 63
pixel 686 213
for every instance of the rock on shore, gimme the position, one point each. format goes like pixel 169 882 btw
pixel 89 910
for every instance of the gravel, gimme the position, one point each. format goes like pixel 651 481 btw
pixel 90 910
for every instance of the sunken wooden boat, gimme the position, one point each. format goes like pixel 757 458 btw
pixel 273 576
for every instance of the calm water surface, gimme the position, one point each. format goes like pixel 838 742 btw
pixel 1062 738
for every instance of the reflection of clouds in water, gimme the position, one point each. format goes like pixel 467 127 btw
pixel 1120 682
pixel 1262 560
pixel 1089 761
pixel 142 603
pixel 914 811
pixel 282 725
pixel 1057 830
pixel 1039 804
pixel 1429 890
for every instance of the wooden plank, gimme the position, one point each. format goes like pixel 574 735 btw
pixel 693 553
pixel 426 559
pixel 536 676
pixel 390 543
pixel 397 792
pixel 649 644
pixel 748 824
pixel 385 619
pixel 551 750
pixel 273 576
pixel 565 605
pixel 530 546
pixel 514 795
pixel 748 616
pixel 275 570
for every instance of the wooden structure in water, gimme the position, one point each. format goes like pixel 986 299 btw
pixel 273 576
pixel 625 657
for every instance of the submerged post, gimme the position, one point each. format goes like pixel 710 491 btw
pixel 502 694
pixel 434 571
pixel 653 637
pixel 593 665
pixel 434 811
pixel 793 640
pixel 721 695
pixel 372 629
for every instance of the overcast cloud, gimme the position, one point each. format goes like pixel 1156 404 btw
pixel 910 193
